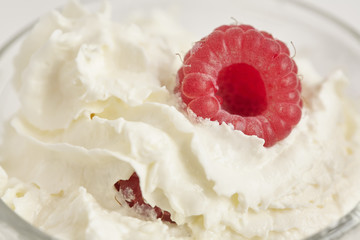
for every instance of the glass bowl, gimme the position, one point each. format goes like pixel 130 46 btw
pixel 327 42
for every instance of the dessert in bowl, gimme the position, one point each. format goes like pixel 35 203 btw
pixel 105 139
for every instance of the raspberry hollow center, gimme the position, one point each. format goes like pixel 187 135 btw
pixel 241 90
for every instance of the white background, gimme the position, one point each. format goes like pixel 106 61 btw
pixel 17 14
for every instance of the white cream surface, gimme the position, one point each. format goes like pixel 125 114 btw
pixel 97 104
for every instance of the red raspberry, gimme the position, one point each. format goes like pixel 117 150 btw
pixel 244 77
pixel 131 192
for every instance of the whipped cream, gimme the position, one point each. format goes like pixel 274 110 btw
pixel 97 104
